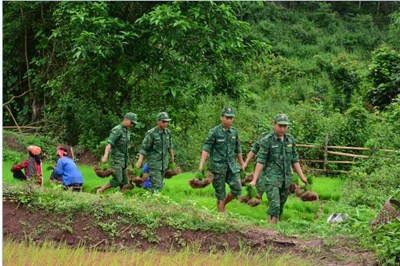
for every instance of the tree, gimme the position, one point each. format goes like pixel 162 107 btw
pixel 384 75
pixel 90 62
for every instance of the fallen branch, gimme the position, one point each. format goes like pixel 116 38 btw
pixel 125 229
pixel 12 116
pixel 98 243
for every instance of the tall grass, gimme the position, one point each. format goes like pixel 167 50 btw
pixel 51 254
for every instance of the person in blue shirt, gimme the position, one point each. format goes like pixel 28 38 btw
pixel 67 169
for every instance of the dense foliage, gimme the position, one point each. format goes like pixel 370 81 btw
pixel 72 69
pixel 85 64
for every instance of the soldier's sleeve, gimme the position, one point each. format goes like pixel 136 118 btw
pixel 146 144
pixel 256 145
pixel 263 153
pixel 238 147
pixel 114 135
pixel 170 145
pixel 295 153
pixel 210 140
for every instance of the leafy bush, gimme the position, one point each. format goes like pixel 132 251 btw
pixel 387 243
pixel 13 156
pixel 384 72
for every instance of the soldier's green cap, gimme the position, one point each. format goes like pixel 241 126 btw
pixel 282 119
pixel 131 116
pixel 229 112
pixel 163 116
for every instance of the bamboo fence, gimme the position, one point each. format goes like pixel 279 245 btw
pixel 327 149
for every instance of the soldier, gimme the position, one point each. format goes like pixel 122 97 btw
pixel 278 154
pixel 252 153
pixel 156 146
pixel 223 145
pixel 118 142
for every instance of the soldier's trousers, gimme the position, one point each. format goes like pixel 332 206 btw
pixel 120 177
pixel 277 198
pixel 232 179
pixel 157 179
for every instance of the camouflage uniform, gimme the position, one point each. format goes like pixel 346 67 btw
pixel 255 149
pixel 277 157
pixel 119 140
pixel 155 148
pixel 223 145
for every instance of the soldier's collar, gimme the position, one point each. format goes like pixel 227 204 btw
pixel 276 138
pixel 160 130
pixel 225 129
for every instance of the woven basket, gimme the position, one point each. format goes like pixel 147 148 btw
pixel 390 211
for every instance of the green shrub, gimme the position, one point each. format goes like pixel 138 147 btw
pixel 13 156
pixel 387 243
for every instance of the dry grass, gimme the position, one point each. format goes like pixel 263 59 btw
pixel 50 254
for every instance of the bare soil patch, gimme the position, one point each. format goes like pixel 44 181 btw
pixel 12 143
pixel 86 157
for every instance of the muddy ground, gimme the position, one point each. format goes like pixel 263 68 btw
pixel 23 224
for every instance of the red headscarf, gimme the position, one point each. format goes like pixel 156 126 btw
pixel 35 150
pixel 61 152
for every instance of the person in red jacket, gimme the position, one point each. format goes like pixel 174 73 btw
pixel 32 166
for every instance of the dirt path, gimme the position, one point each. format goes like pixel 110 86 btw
pixel 21 223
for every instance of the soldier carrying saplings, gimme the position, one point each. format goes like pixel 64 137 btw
pixel 118 143
pixel 223 146
pixel 156 146
pixel 276 157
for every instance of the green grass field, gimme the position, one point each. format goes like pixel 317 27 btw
pixel 179 191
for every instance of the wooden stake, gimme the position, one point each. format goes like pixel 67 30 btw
pixel 326 152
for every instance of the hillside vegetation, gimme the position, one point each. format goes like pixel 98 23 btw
pixel 78 67
pixel 71 70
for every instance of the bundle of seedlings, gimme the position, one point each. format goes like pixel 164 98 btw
pixel 172 170
pixel 136 176
pixel 126 187
pixel 292 187
pixel 103 170
pixel 250 194
pixel 254 201
pixel 308 194
pixel 246 178
pixel 244 199
pixel 254 198
pixel 201 179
